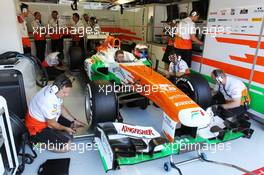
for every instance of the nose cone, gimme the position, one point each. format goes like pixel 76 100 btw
pixel 194 117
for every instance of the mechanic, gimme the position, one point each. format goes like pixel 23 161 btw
pixel 48 120
pixel 39 36
pixel 178 67
pixel 185 35
pixel 23 28
pixel 169 36
pixel 56 36
pixel 78 26
pixel 94 29
pixel 54 65
pixel 230 95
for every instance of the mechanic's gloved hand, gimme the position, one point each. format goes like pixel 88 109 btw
pixel 215 109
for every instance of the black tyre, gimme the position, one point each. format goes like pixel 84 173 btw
pixel 197 88
pixel 99 105
pixel 76 57
pixel 19 130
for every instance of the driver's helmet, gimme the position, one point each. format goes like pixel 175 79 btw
pixel 141 51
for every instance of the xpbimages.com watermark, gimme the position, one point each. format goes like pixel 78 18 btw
pixel 146 89
pixel 182 146
pixel 50 30
pixel 78 147
pixel 211 31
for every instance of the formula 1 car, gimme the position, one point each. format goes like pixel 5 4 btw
pixel 184 104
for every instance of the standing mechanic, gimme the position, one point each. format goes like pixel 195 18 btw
pixel 23 28
pixel 56 36
pixel 170 42
pixel 230 95
pixel 39 36
pixel 78 26
pixel 48 120
pixel 185 35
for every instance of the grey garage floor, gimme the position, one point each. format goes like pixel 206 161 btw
pixel 247 153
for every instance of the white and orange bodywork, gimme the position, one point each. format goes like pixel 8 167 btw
pixel 178 107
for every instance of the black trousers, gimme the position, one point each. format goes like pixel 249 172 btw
pixel 56 137
pixel 226 113
pixel 40 49
pixel 57 45
pixel 186 55
pixel 27 50
pixel 169 51
pixel 53 72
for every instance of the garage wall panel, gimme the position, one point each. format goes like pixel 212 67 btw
pixel 234 50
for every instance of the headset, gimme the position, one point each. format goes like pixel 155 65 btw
pixel 194 13
pixel 179 58
pixel 218 75
pixel 60 82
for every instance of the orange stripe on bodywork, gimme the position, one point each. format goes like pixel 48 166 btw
pixel 249 59
pixel 231 69
pixel 145 76
pixel 250 43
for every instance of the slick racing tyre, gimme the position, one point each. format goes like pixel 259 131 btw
pixel 197 88
pixel 76 60
pixel 100 105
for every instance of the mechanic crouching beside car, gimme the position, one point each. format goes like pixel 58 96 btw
pixel 177 68
pixel 48 121
pixel 230 95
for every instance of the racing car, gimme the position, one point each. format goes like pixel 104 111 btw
pixel 185 105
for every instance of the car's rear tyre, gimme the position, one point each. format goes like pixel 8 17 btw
pixel 197 88
pixel 100 106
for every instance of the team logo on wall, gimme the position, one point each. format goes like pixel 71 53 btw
pixel 213 13
pixel 223 12
pixel 211 20
pixel 259 10
pixel 241 19
pixel 233 12
pixel 256 19
pixel 243 11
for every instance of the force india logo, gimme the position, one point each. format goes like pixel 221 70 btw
pixel 197 113
pixel 127 129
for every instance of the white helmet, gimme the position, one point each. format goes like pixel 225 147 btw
pixel 53 59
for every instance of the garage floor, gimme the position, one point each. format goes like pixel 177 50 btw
pixel 247 153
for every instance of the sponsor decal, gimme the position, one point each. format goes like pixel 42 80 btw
pixel 136 131
pixel 244 27
pixel 184 103
pixel 197 113
pixel 222 20
pixel 223 12
pixel 211 20
pixel 241 19
pixel 243 11
pixel 259 171
pixel 132 130
pixel 177 96
pixel 213 13
pixel 259 10
pixel 233 12
pixel 256 19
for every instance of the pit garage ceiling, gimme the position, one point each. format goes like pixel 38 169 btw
pixel 132 2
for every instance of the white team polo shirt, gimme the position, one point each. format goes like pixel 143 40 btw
pixel 180 66
pixel 45 105
pixel 185 28
pixel 233 88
